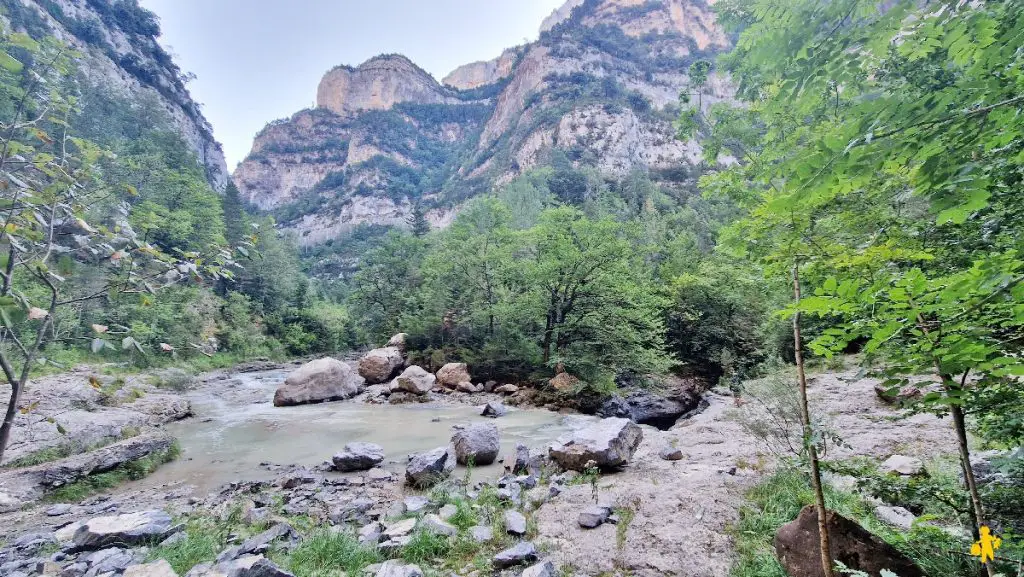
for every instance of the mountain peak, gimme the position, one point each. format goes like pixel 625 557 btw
pixel 377 84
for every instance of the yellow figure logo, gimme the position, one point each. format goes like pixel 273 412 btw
pixel 985 547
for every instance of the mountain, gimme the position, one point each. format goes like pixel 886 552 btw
pixel 601 85
pixel 117 40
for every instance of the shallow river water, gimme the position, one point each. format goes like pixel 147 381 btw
pixel 237 428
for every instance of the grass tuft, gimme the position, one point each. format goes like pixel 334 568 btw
pixel 325 552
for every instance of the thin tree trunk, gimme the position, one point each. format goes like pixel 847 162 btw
pixel 9 416
pixel 812 451
pixel 960 426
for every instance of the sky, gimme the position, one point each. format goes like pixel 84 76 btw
pixel 260 60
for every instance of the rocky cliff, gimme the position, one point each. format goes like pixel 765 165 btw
pixel 117 40
pixel 601 84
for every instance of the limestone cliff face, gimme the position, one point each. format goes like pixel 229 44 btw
pixel 378 84
pixel 477 74
pixel 602 84
pixel 122 55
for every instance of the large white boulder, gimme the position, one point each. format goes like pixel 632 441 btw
pixel 317 381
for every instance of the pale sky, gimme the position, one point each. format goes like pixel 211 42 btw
pixel 259 60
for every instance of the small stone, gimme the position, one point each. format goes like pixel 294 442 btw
pixel 895 516
pixel 448 511
pixel 518 554
pixel 542 569
pixel 371 533
pixel 415 503
pixel 506 389
pixel 129 529
pixel 158 568
pixel 58 510
pixel 902 465
pixel 489 386
pixel 438 526
pixel 515 523
pixel 481 533
pixel 378 474
pixel 671 454
pixel 593 516
pixel 398 569
pixel 494 409
pixel 358 457
pixel 400 528
pixel 527 481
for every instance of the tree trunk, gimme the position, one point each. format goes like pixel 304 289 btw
pixel 808 434
pixel 9 416
pixel 972 486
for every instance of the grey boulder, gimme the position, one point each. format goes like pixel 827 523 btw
pixel 426 469
pixel 358 457
pixel 379 365
pixel 593 516
pixel 518 554
pixel 317 381
pixel 477 443
pixel 123 530
pixel 494 409
pixel 515 523
pixel 452 374
pixel 610 443
pixel 414 380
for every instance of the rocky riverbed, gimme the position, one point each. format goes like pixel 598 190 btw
pixel 666 510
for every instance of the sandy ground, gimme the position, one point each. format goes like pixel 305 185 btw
pixel 684 508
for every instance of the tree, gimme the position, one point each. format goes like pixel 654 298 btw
pixel 387 280
pixel 50 190
pixel 418 222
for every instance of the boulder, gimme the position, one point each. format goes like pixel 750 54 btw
pixel 426 469
pixel 494 409
pixel 398 341
pixel 448 511
pixel 518 554
pixel 123 530
pixel 468 387
pixel 401 528
pixel 506 389
pixel 317 381
pixel 358 457
pixel 902 465
pixel 564 382
pixel 379 365
pixel 477 443
pixel 647 408
pixel 489 386
pixel 796 545
pixel 671 454
pixel 521 464
pixel 371 533
pixel 435 524
pixel 515 523
pixel 895 516
pixel 610 443
pixel 414 380
pixel 415 503
pixel 542 569
pixel 258 544
pixel 452 374
pixel 593 516
pixel 898 396
pixel 481 533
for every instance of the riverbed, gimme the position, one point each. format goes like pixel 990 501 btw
pixel 236 430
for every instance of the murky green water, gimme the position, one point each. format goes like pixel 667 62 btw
pixel 236 429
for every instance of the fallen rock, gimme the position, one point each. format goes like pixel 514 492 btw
pixel 400 528
pixel 415 503
pixel 325 379
pixel 426 469
pixel 494 409
pixel 610 443
pixel 477 443
pixel 452 374
pixel 506 389
pixel 124 530
pixel 398 341
pixel 901 396
pixel 435 524
pixel 371 533
pixel 258 544
pixel 358 457
pixel 796 545
pixel 379 365
pixel 518 554
pixel 398 569
pixel 895 516
pixel 647 408
pixel 489 386
pixel 158 568
pixel 671 454
pixel 481 533
pixel 564 382
pixel 593 516
pixel 414 380
pixel 902 465
pixel 447 512
pixel 468 387
pixel 515 523
pixel 542 569
pixel 58 510
pixel 521 463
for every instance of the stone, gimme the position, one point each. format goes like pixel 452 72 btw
pixel 317 381
pixel 477 443
pixel 415 503
pixel 899 397
pixel 593 516
pixel 610 443
pixel 481 533
pixel 468 387
pixel 358 457
pixel 448 511
pixel 398 569
pixel 58 510
pixel 438 526
pixel 542 569
pixel 378 474
pixel 399 341
pixel 426 469
pixel 127 530
pixel 296 478
pixel 647 408
pixel 111 559
pixel 494 409
pixel 379 365
pixel 400 528
pixel 515 523
pixel 671 454
pixel 158 568
pixel 796 545
pixel 902 465
pixel 521 463
pixel 258 544
pixel 518 554
pixel 506 389
pixel 895 516
pixel 450 375
pixel 489 386
pixel 564 382
pixel 414 380
pixel 371 533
